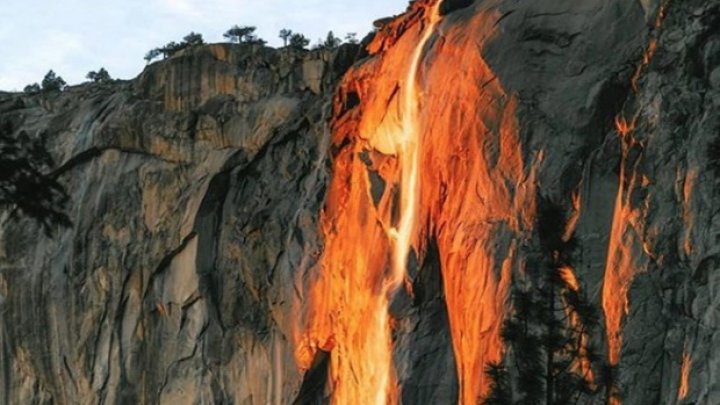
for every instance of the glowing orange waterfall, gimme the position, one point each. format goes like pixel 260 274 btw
pixel 627 251
pixel 431 151
pixel 479 190
pixel 365 254
pixel 684 377
pixel 408 149
pixel 625 259
pixel 619 267
pixel 407 139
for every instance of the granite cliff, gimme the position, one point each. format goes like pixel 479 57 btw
pixel 261 226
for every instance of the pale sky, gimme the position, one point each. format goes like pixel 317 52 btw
pixel 73 37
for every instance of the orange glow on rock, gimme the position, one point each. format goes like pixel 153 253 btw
pixel 647 57
pixel 442 136
pixel 582 364
pixel 367 242
pixel 569 278
pixel 651 48
pixel 408 147
pixel 574 216
pixel 477 189
pixel 684 377
pixel 689 184
pixel 624 259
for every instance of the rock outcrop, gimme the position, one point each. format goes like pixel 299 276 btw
pixel 236 210
pixel 194 188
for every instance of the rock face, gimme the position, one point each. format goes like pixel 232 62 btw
pixel 236 210
pixel 194 188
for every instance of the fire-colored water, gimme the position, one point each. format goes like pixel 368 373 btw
pixel 568 275
pixel 624 258
pixel 442 135
pixel 620 268
pixel 349 305
pixel 478 191
pixel 684 376
pixel 651 47
pixel 574 216
pixel 408 148
pixel 687 212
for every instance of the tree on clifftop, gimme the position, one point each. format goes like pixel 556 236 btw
pixel 285 35
pixel 52 82
pixel 243 35
pixel 299 41
pixel 152 55
pixel 171 48
pixel 193 39
pixel 101 76
pixel 32 88
pixel 331 41
pixel 351 38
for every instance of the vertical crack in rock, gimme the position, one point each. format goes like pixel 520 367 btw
pixel 208 228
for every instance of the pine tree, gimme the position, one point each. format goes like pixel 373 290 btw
pixel 32 88
pixel 171 48
pixel 298 41
pixel 101 76
pixel 285 35
pixel 351 38
pixel 25 188
pixel 152 54
pixel 244 34
pixel 546 335
pixel 500 385
pixel 52 82
pixel 331 41
pixel 193 39
pixel 190 40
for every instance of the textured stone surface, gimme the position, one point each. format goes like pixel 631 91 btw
pixel 673 302
pixel 193 187
pixel 197 190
